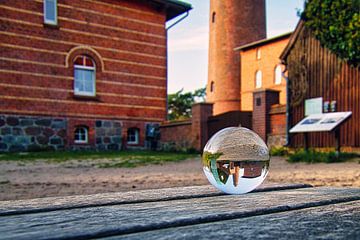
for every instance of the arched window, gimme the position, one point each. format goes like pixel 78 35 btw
pixel 84 76
pixel 212 86
pixel 133 136
pixel 258 53
pixel 278 74
pixel 258 79
pixel 81 135
pixel 213 17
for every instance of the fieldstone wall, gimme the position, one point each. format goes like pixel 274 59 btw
pixel 108 135
pixel 20 133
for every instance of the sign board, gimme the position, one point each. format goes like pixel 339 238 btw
pixel 322 122
pixel 313 106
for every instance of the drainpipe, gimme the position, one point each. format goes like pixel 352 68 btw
pixel 167 72
pixel 287 105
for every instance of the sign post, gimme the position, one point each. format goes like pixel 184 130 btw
pixel 322 122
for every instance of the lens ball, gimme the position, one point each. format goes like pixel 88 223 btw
pixel 236 160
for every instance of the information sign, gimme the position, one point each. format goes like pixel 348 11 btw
pixel 322 122
pixel 313 106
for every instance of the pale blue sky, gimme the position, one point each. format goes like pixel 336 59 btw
pixel 188 40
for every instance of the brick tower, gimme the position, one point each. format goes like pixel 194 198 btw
pixel 232 23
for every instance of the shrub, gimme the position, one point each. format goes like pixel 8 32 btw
pixel 279 151
pixel 312 156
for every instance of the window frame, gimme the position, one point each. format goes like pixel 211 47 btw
pixel 258 54
pixel 51 21
pixel 93 69
pixel 86 134
pixel 278 66
pixel 137 136
pixel 256 79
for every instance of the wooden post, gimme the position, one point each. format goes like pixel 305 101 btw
pixel 306 140
pixel 337 142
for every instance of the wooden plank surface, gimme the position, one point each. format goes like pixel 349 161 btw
pixel 337 221
pixel 103 221
pixel 107 199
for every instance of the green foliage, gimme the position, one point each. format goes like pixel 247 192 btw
pixel 313 156
pixel 336 24
pixel 101 159
pixel 279 151
pixel 208 156
pixel 179 103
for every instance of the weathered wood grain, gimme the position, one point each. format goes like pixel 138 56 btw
pixel 337 221
pixel 108 199
pixel 92 222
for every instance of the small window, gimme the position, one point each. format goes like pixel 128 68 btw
pixel 81 135
pixel 258 101
pixel 133 136
pixel 213 17
pixel 212 87
pixel 50 12
pixel 258 53
pixel 258 79
pixel 84 76
pixel 278 74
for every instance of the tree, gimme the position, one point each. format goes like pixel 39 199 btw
pixel 336 24
pixel 179 103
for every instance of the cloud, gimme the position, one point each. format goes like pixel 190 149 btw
pixel 189 39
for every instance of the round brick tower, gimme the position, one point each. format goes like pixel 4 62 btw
pixel 232 23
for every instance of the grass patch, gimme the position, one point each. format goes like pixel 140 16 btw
pixel 113 158
pixel 313 156
pixel 279 151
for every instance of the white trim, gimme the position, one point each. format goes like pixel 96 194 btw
pixel 258 79
pixel 51 21
pixel 83 93
pixel 86 135
pixel 278 75
pixel 137 133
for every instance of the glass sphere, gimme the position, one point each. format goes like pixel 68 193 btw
pixel 236 160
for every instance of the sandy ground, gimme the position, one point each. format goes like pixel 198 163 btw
pixel 40 179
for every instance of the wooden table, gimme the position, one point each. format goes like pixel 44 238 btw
pixel 199 212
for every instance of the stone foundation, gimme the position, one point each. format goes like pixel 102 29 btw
pixel 19 133
pixel 35 133
pixel 108 135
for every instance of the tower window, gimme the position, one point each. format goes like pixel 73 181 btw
pixel 133 136
pixel 81 135
pixel 258 79
pixel 213 17
pixel 50 12
pixel 212 86
pixel 258 54
pixel 84 76
pixel 278 74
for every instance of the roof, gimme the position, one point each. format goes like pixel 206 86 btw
pixel 262 42
pixel 292 40
pixel 173 8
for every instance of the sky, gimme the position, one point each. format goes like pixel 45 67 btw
pixel 188 40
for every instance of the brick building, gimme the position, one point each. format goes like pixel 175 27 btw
pixel 261 68
pixel 245 83
pixel 232 23
pixel 87 74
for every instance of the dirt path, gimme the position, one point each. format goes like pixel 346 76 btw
pixel 39 179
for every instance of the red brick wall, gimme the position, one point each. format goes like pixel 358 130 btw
pixel 126 39
pixel 192 133
pixel 263 100
pixel 176 135
pixel 277 120
pixel 33 57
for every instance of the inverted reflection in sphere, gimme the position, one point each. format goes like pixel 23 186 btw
pixel 236 160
